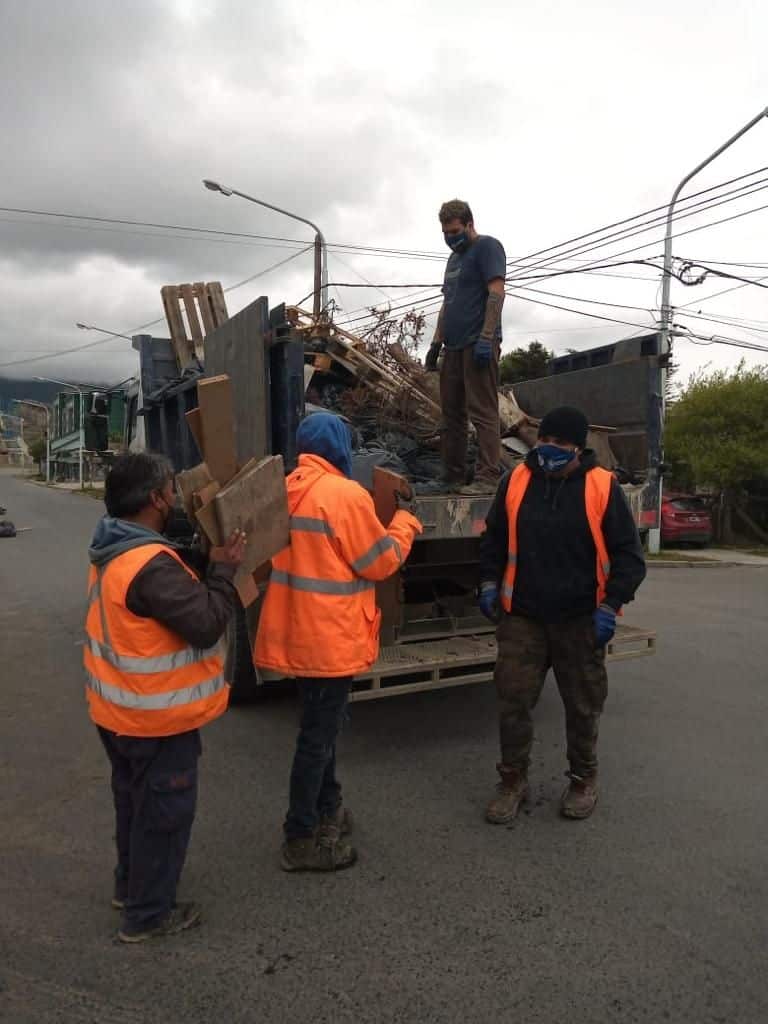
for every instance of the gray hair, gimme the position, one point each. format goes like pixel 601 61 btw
pixel 132 480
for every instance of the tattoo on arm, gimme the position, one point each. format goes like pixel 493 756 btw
pixel 493 308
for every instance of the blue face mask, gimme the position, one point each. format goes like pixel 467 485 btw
pixel 553 458
pixel 458 243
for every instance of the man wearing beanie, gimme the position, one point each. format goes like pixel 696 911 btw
pixel 559 557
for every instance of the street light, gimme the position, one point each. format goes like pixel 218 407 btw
pixel 665 320
pixel 75 387
pixel 102 330
pixel 42 405
pixel 321 250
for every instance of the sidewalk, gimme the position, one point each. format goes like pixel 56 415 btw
pixel 708 557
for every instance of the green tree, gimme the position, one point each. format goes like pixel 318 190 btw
pixel 524 364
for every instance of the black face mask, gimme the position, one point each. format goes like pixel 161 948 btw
pixel 457 243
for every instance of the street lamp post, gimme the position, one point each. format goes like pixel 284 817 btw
pixel 321 250
pixel 81 446
pixel 665 319
pixel 42 405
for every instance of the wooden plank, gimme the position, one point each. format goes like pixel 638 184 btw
pixel 258 504
pixel 238 348
pixel 247 588
pixel 214 396
pixel 188 297
pixel 189 481
pixel 200 290
pixel 218 303
pixel 385 484
pixel 195 424
pixel 170 296
pixel 205 512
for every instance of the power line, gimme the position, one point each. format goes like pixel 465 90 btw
pixel 581 312
pixel 150 323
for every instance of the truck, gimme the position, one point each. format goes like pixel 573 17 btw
pixel 432 633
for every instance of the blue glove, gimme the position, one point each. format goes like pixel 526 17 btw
pixel 482 352
pixel 489 601
pixel 604 619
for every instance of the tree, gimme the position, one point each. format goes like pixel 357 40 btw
pixel 524 364
pixel 717 433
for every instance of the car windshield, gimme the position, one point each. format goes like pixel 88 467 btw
pixel 688 504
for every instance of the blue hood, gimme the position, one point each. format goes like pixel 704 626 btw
pixel 328 436
pixel 114 536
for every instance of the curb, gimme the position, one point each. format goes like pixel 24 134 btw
pixel 705 565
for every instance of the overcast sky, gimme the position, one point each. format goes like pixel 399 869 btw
pixel 551 119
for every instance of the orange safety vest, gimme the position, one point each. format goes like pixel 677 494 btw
pixel 319 616
pixel 142 679
pixel 597 491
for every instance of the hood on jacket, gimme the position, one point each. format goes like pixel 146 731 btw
pixel 328 436
pixel 112 537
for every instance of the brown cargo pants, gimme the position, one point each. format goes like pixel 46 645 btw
pixel 470 392
pixel 527 650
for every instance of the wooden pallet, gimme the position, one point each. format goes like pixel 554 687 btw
pixel 205 309
pixel 439 664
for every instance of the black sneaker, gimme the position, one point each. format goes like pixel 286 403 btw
pixel 183 916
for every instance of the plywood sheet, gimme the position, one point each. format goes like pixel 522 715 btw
pixel 257 502
pixel 214 396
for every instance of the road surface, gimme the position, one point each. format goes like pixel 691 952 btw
pixel 652 911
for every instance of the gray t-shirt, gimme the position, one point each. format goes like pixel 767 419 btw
pixel 465 290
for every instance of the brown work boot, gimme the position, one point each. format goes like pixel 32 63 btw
pixel 479 486
pixel 334 826
pixel 579 799
pixel 317 853
pixel 510 793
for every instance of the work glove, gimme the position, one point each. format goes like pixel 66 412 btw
pixel 488 599
pixel 405 502
pixel 482 352
pixel 604 619
pixel 430 361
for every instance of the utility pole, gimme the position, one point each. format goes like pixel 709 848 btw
pixel 665 325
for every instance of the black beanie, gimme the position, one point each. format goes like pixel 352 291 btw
pixel 566 424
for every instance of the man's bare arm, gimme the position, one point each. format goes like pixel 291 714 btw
pixel 493 308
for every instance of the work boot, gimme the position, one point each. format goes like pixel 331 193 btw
pixel 579 799
pixel 183 916
pixel 334 826
pixel 450 484
pixel 317 853
pixel 479 486
pixel 510 793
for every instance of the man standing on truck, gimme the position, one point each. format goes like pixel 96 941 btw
pixel 320 624
pixel 154 676
pixel 469 330
pixel 559 557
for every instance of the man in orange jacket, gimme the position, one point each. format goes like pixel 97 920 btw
pixel 154 676
pixel 320 624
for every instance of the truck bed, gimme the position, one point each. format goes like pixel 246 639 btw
pixel 461 660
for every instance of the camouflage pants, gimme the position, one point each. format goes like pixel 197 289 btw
pixel 527 650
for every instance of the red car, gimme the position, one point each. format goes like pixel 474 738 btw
pixel 685 519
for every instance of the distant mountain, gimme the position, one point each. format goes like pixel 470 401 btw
pixel 39 391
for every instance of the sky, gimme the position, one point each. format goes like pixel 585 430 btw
pixel 553 119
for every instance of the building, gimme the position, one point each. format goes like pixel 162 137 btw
pixel 94 418
pixel 13 446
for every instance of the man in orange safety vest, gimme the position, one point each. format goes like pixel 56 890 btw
pixel 320 624
pixel 154 676
pixel 559 558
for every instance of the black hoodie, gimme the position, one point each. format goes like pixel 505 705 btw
pixel 556 576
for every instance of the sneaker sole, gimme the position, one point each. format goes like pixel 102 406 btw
pixel 161 933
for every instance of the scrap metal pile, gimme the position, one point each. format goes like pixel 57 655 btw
pixel 394 404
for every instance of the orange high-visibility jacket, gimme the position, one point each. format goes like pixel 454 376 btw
pixel 319 616
pixel 142 679
pixel 597 491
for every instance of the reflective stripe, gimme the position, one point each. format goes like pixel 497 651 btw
pixel 313 586
pixel 606 568
pixel 94 592
pixel 511 558
pixel 308 524
pixel 146 666
pixel 506 590
pixel 154 701
pixel 370 556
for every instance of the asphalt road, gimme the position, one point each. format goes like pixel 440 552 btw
pixel 654 910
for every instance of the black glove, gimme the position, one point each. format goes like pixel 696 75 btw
pixel 430 361
pixel 405 502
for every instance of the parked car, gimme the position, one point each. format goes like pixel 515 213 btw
pixel 685 518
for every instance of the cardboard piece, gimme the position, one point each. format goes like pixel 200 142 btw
pixel 257 502
pixel 205 512
pixel 385 483
pixel 190 480
pixel 247 589
pixel 195 424
pixel 214 396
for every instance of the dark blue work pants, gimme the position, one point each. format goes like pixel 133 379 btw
pixel 315 791
pixel 154 784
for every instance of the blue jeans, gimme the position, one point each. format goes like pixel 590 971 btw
pixel 315 791
pixel 154 786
